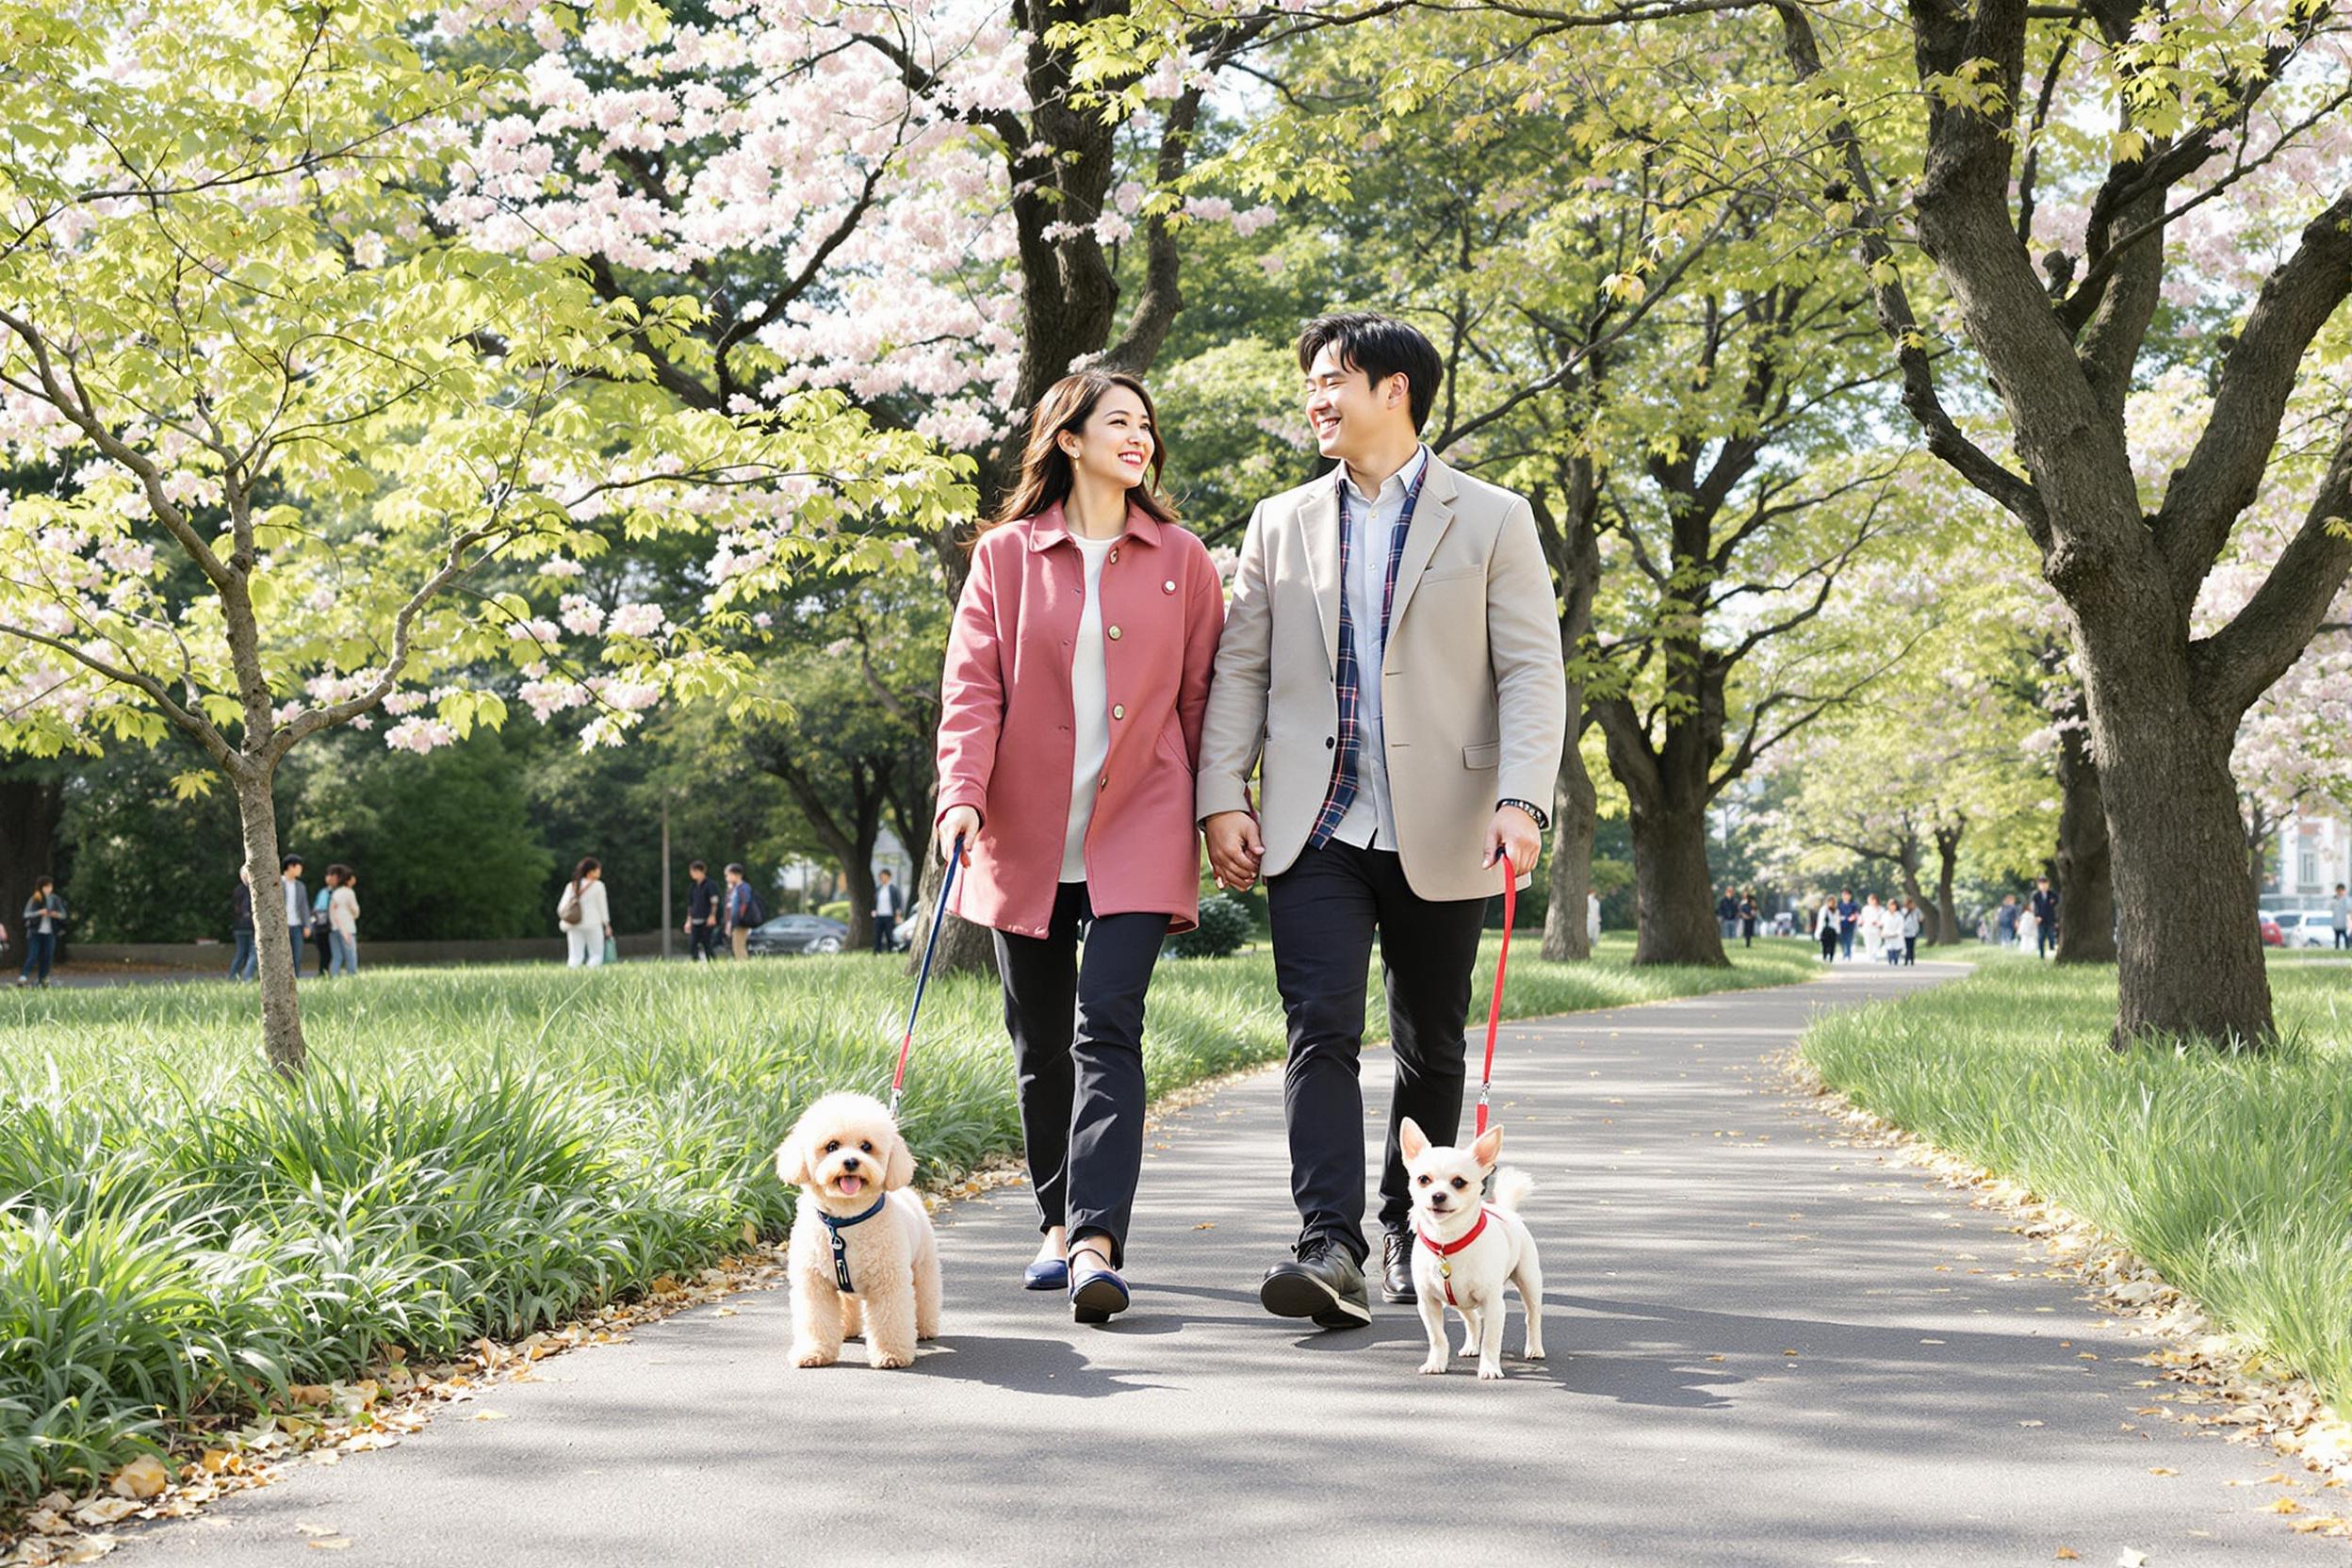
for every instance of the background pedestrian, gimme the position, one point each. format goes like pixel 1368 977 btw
pixel 45 921
pixel 243 966
pixel 585 914
pixel 343 920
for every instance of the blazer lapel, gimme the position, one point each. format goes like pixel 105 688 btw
pixel 1319 521
pixel 1430 519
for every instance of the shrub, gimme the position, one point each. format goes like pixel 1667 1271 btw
pixel 1225 924
pixel 837 909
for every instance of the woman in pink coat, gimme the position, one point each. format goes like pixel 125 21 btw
pixel 1069 729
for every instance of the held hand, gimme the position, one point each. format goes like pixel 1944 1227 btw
pixel 1235 849
pixel 957 823
pixel 1513 832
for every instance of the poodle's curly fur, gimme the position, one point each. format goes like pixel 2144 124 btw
pixel 842 1150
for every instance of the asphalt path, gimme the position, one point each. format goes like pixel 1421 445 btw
pixel 1768 1347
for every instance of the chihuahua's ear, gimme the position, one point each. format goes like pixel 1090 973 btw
pixel 1411 1139
pixel 792 1160
pixel 900 1172
pixel 1489 1148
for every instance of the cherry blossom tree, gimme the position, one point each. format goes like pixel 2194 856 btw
pixel 325 461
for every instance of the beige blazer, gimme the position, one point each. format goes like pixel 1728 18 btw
pixel 1474 693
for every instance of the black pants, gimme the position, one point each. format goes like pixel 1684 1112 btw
pixel 702 941
pixel 1829 944
pixel 1325 911
pixel 1910 950
pixel 1075 1015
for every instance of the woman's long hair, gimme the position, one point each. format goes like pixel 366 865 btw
pixel 1045 469
pixel 580 873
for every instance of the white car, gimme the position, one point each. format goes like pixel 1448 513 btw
pixel 2308 928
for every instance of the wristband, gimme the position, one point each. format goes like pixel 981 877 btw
pixel 1542 819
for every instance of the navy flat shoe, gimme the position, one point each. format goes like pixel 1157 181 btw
pixel 1046 1274
pixel 1098 1296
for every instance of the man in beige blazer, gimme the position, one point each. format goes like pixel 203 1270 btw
pixel 1391 669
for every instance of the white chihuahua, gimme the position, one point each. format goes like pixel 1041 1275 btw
pixel 1466 1249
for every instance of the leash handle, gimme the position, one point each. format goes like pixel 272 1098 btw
pixel 1494 1009
pixel 923 975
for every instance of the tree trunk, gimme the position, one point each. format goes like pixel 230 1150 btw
pixel 1947 866
pixel 30 811
pixel 1574 805
pixel 964 947
pixel 1907 862
pixel 1674 890
pixel 281 1010
pixel 2085 881
pixel 2192 961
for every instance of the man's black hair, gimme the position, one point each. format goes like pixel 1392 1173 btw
pixel 288 862
pixel 697 865
pixel 737 867
pixel 1381 347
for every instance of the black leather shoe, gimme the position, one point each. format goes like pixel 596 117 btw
pixel 1322 1283
pixel 1397 1268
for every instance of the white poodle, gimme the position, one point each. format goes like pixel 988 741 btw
pixel 864 1255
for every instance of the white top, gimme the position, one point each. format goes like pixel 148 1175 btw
pixel 343 911
pixel 1089 709
pixel 297 912
pixel 1912 924
pixel 595 912
pixel 1371 819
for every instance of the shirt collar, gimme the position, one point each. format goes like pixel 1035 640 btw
pixel 1400 480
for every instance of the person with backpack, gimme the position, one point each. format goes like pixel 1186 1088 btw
pixel 45 921
pixel 743 911
pixel 585 913
pixel 321 935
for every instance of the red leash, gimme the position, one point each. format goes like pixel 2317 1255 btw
pixel 1502 961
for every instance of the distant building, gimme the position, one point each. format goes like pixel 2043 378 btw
pixel 2311 853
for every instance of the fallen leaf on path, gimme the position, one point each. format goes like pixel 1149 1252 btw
pixel 332 1544
pixel 2067 1554
pixel 143 1477
pixel 89 1548
pixel 310 1394
pixel 104 1511
pixel 308 1528
pixel 2285 1505
pixel 2132 1559
pixel 2160 1470
pixel 2028 1423
pixel 488 1415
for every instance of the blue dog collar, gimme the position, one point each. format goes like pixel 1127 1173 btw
pixel 833 1228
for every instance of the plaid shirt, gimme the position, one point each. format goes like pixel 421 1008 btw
pixel 1347 677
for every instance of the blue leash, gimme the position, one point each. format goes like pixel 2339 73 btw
pixel 923 979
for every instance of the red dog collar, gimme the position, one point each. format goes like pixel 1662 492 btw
pixel 1445 1251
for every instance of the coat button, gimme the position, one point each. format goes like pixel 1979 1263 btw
pixel 1330 743
pixel 1114 635
pixel 1168 587
pixel 1103 783
pixel 1118 711
pixel 1114 555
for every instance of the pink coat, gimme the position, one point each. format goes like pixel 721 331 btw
pixel 1007 736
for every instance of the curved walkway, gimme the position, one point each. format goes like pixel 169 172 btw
pixel 1768 1349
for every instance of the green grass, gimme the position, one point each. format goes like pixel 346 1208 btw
pixel 485 1150
pixel 2232 1173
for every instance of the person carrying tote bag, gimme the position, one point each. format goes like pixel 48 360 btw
pixel 585 916
pixel 1077 680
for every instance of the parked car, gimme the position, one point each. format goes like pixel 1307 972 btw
pixel 2272 936
pixel 2308 928
pixel 796 934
